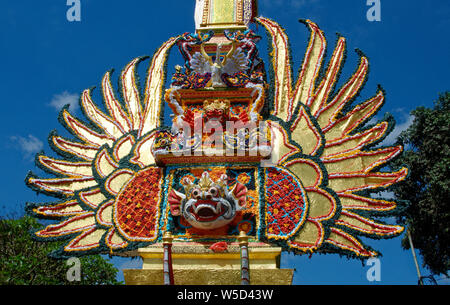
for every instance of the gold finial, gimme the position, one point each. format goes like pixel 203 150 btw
pixel 167 238
pixel 243 238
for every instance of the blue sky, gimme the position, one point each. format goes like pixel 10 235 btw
pixel 47 61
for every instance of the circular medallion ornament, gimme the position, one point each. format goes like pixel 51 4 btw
pixel 286 203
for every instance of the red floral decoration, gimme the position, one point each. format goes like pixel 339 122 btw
pixel 285 204
pixel 138 204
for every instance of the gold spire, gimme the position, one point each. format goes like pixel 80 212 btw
pixel 224 14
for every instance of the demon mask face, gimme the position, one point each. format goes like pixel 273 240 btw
pixel 217 111
pixel 208 205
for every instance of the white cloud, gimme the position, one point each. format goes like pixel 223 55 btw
pixel 399 128
pixel 29 145
pixel 401 125
pixel 60 100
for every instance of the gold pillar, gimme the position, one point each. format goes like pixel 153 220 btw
pixel 196 264
pixel 218 15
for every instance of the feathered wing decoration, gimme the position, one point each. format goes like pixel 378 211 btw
pixel 236 62
pixel 105 155
pixel 326 152
pixel 200 64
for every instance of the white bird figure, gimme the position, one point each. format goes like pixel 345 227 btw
pixel 235 61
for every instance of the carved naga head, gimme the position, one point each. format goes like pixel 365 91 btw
pixel 208 204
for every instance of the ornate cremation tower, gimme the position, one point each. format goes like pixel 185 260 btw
pixel 223 81
pixel 250 165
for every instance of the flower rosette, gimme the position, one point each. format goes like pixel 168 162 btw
pixel 285 205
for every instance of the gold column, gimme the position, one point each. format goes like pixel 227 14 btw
pixel 219 15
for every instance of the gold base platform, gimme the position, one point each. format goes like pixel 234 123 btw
pixel 196 264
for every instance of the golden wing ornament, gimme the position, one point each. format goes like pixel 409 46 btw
pixel 102 208
pixel 326 151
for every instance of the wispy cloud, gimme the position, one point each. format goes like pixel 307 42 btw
pixel 403 121
pixel 60 100
pixel 29 146
pixel 401 126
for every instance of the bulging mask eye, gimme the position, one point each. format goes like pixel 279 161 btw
pixel 214 191
pixel 196 193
